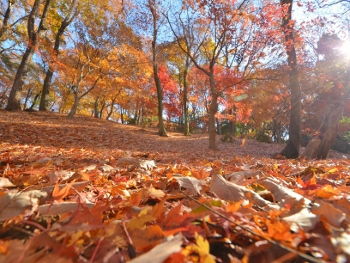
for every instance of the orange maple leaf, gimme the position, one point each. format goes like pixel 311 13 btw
pixel 59 194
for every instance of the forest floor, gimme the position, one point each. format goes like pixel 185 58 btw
pixel 91 190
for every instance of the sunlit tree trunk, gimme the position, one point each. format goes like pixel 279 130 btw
pixel 74 108
pixel 293 146
pixel 14 100
pixel 325 136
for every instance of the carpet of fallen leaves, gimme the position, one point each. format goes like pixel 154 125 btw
pixel 90 190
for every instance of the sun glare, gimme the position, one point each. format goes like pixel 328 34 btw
pixel 345 49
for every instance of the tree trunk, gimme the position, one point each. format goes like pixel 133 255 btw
pixel 14 100
pixel 74 108
pixel 29 94
pixel 48 78
pixel 232 123
pixel 185 106
pixel 103 104
pixel 161 126
pixel 213 108
pixel 293 146
pixel 211 126
pixel 31 108
pixel 324 138
pixel 96 107
pixel 109 113
pixel 6 19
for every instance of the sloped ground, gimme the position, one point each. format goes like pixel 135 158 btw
pixel 55 131
pixel 90 190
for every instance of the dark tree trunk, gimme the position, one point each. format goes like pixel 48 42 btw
pixel 213 108
pixel 293 146
pixel 31 108
pixel 161 126
pixel 96 107
pixel 14 100
pixel 185 106
pixel 6 19
pixel 48 78
pixel 276 130
pixel 103 104
pixel 109 113
pixel 232 123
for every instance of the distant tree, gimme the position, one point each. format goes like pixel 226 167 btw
pixel 224 33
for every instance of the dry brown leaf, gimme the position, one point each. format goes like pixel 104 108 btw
pixel 232 192
pixel 14 204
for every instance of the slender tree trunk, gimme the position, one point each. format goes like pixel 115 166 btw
pixel 109 113
pixel 213 108
pixel 74 108
pixel 185 106
pixel 103 104
pixel 232 123
pixel 293 146
pixel 96 107
pixel 211 125
pixel 31 108
pixel 161 126
pixel 48 78
pixel 29 94
pixel 6 19
pixel 14 100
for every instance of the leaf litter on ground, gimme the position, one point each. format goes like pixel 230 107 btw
pixel 90 190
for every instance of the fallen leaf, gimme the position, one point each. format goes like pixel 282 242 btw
pixel 193 185
pixel 161 252
pixel 6 183
pixel 14 204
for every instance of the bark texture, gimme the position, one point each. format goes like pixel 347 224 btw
pixel 14 100
pixel 293 145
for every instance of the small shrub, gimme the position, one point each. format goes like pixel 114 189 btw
pixel 226 138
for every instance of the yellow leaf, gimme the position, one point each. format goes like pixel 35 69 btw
pixel 333 170
pixel 202 243
pixel 139 222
